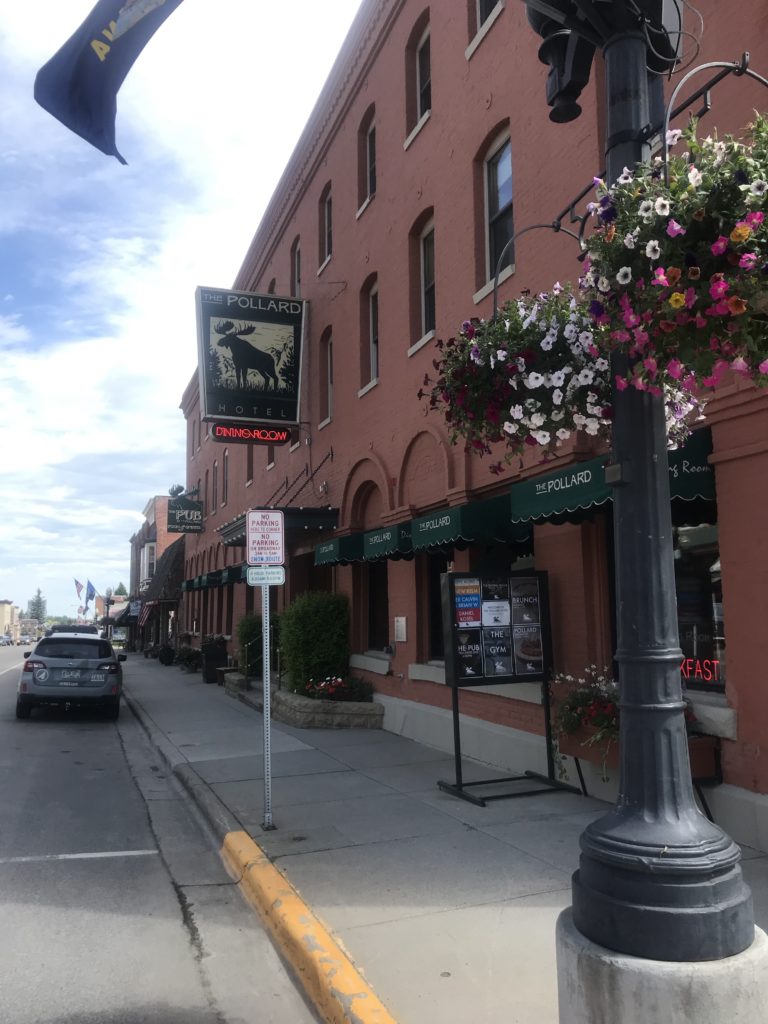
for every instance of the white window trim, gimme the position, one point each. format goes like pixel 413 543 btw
pixel 324 264
pixel 374 290
pixel 484 29
pixel 420 343
pixel 371 384
pixel 324 423
pixel 371 128
pixel 293 447
pixel 486 290
pixel 364 206
pixel 296 252
pixel 498 143
pixel 327 198
pixel 417 128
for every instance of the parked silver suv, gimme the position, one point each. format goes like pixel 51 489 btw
pixel 71 670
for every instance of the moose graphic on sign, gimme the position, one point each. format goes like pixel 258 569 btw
pixel 246 356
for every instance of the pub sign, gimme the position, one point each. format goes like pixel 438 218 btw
pixel 185 515
pixel 249 356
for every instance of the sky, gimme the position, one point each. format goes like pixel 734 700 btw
pixel 99 263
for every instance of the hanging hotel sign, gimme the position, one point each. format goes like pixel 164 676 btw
pixel 249 357
pixel 185 516
pixel 249 433
pixel 496 628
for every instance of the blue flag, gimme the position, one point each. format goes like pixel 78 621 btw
pixel 90 593
pixel 79 84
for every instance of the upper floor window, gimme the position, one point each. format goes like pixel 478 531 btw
pixel 369 332
pixel 326 376
pixel 215 487
pixel 500 223
pixel 206 506
pixel 424 76
pixel 249 464
pixel 225 477
pixel 366 157
pixel 427 250
pixel 271 286
pixel 418 76
pixel 485 9
pixel 326 224
pixel 296 268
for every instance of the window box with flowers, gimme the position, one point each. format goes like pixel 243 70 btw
pixel 587 725
pixel 330 703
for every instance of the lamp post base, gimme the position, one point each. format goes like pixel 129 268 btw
pixel 597 984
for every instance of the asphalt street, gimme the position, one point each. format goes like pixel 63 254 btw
pixel 116 907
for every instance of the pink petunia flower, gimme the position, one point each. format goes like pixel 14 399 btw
pixel 718 287
pixel 763 367
pixel 754 218
pixel 719 247
pixel 748 260
pixel 675 369
pixel 674 229
pixel 660 277
pixel 621 384
pixel 739 364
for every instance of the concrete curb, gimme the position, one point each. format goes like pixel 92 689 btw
pixel 329 977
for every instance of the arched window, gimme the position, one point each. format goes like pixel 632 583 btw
pixel 225 477
pixel 296 268
pixel 325 224
pixel 366 158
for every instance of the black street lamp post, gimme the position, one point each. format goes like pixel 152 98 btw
pixel 656 878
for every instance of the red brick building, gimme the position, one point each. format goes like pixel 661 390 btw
pixel 428 147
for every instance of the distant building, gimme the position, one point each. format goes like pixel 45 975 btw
pixel 9 620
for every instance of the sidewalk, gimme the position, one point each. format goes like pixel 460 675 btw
pixel 448 910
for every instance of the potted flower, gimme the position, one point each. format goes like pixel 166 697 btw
pixel 214 653
pixel 532 377
pixel 339 689
pixel 676 269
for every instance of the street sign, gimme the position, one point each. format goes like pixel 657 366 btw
pixel 265 532
pixel 266 575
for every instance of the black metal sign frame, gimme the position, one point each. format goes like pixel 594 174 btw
pixel 496 630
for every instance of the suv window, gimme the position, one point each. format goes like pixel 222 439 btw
pixel 73 647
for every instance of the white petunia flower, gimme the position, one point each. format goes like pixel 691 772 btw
pixel 586 376
pixel 653 250
pixel 695 176
pixel 510 428
pixel 557 415
pixel 538 419
pixel 603 284
pixel 758 187
pixel 558 378
pixel 585 338
pixel 563 434
pixel 592 426
pixel 645 209
pixel 624 275
pixel 501 355
pixel 625 177
pixel 516 412
pixel 673 136
pixel 542 436
pixel 534 380
pixel 629 241
pixel 557 396
pixel 601 364
pixel 661 206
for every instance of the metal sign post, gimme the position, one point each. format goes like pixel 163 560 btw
pixel 265 546
pixel 267 710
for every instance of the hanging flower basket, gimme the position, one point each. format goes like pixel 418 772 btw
pixel 677 270
pixel 533 376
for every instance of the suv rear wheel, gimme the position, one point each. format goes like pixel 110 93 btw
pixel 113 710
pixel 23 710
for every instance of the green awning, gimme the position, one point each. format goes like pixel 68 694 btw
pixel 568 494
pixel 477 521
pixel 573 489
pixel 388 542
pixel 340 550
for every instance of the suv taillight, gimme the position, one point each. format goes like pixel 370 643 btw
pixel 108 666
pixel 30 665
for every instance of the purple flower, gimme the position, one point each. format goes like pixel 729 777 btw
pixel 674 229
pixel 596 308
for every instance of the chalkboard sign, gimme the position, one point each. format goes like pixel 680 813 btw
pixel 496 628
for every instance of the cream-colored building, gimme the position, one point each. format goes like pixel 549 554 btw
pixel 9 620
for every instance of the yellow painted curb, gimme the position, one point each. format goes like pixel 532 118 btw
pixel 330 979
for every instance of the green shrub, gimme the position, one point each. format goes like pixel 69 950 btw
pixel 314 637
pixel 249 644
pixel 189 658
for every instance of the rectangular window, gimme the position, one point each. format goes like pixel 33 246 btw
pixel 424 77
pixel 700 607
pixel 296 271
pixel 428 281
pixel 500 208
pixel 249 463
pixel 329 373
pixel 327 226
pixel 373 331
pixel 225 477
pixel 370 149
pixel 215 490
